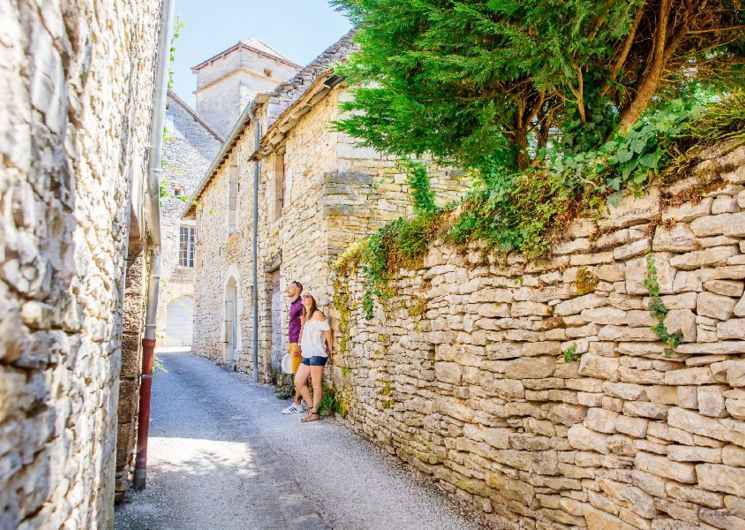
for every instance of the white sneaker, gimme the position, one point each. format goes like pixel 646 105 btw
pixel 294 408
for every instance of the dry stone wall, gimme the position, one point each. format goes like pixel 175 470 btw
pixel 75 90
pixel 463 375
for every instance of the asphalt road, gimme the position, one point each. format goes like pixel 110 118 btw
pixel 223 457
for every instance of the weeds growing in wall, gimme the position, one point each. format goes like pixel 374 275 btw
pixel 658 309
pixel 528 211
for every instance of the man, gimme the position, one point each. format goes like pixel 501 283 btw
pixel 294 290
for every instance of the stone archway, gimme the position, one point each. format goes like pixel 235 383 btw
pixel 179 321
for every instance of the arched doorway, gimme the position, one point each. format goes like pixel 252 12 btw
pixel 231 321
pixel 179 321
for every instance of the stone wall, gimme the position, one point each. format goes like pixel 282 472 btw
pixel 76 81
pixel 336 194
pixel 462 374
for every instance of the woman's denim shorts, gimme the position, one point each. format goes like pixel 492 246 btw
pixel 317 360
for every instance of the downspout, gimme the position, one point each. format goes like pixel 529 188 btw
pixel 152 233
pixel 255 240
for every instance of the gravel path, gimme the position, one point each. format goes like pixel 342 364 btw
pixel 222 457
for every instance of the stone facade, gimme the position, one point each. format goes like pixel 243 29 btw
pixel 333 193
pixel 463 375
pixel 77 82
pixel 190 147
pixel 229 80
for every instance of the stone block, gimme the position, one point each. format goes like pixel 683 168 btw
pixel 664 467
pixel 679 238
pixel 632 211
pixel 599 367
pixel 711 401
pixel 715 305
pixel 733 456
pixel 683 321
pixel 531 368
pixel 449 372
pixel 576 305
pixel 719 477
pixel 694 495
pixel 731 329
pixel 636 274
pixel 723 429
pixel 721 519
pixel 688 211
pixel 636 427
pixel 645 409
pixel 684 453
pixel 723 224
pixel 725 287
pixel 690 376
pixel 601 420
pixel 723 204
pixel 739 309
pixel 735 408
pixel 709 257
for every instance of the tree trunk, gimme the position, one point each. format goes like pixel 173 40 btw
pixel 651 78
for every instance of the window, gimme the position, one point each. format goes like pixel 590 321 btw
pixel 279 184
pixel 187 247
pixel 232 199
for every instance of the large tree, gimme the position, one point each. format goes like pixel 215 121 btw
pixel 489 83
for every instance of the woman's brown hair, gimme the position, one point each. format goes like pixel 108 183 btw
pixel 313 308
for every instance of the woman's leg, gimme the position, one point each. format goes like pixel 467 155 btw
pixel 316 379
pixel 301 382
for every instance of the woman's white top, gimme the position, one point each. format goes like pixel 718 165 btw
pixel 313 344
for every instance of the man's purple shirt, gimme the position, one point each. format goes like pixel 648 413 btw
pixel 296 311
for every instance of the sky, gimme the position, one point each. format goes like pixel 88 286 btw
pixel 298 29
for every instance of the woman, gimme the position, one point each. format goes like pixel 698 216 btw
pixel 316 346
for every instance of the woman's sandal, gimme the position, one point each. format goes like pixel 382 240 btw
pixel 312 416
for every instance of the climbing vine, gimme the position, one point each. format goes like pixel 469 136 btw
pixel 658 309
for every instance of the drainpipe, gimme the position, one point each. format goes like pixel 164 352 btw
pixel 152 233
pixel 255 240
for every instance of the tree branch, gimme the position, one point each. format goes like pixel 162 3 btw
pixel 624 51
pixel 651 77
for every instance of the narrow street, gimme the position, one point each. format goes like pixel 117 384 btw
pixel 223 457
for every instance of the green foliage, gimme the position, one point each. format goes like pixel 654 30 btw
pixel 177 27
pixel 422 195
pixel 158 365
pixel 493 84
pixel 570 354
pixel 285 390
pixel 334 402
pixel 658 309
pixel 527 211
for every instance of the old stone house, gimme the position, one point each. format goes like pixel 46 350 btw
pixel 225 84
pixel 75 214
pixel 318 192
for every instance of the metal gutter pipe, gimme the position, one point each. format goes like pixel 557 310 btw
pixel 153 238
pixel 255 240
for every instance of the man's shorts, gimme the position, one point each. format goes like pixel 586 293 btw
pixel 294 351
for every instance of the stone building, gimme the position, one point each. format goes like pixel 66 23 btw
pixel 76 106
pixel 191 144
pixel 225 84
pixel 318 192
pixel 227 81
